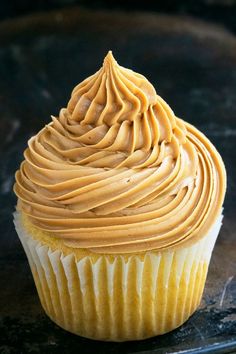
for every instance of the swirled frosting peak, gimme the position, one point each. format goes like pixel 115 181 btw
pixel 112 95
pixel 118 172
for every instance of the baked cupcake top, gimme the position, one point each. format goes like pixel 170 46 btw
pixel 118 172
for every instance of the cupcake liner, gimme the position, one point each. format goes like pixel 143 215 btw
pixel 129 298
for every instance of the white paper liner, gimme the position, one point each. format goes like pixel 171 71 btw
pixel 124 300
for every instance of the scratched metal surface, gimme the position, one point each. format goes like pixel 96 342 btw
pixel 193 66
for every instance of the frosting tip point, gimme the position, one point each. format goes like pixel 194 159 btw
pixel 109 58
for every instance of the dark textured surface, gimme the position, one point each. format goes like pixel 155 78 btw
pixel 221 11
pixel 193 66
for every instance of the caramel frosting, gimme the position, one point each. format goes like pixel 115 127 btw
pixel 118 172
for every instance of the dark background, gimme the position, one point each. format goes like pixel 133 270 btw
pixel 219 11
pixel 188 51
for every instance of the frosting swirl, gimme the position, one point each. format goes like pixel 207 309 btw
pixel 118 172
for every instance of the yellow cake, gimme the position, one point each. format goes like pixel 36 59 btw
pixel 119 207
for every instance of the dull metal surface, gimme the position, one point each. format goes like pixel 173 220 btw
pixel 193 67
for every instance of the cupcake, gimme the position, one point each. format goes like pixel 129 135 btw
pixel 119 207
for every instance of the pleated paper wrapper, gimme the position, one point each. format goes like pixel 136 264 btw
pixel 126 298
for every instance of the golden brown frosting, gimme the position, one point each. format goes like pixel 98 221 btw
pixel 118 172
